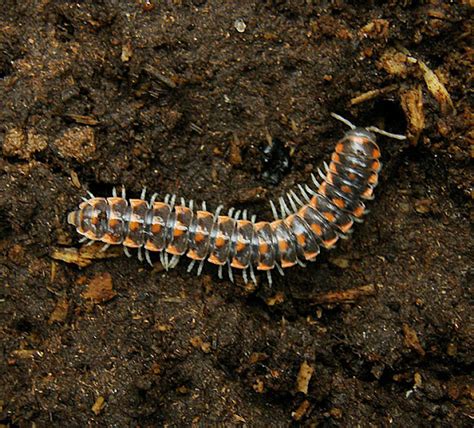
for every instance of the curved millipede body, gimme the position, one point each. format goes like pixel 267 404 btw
pixel 317 218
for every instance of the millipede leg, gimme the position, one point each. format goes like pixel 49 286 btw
pixel 191 265
pixel 139 254
pixel 292 202
pixel 114 192
pixel 283 207
pixel 300 263
pixel 142 196
pixel 309 190
pixel 269 277
pixel 104 248
pixel 83 239
pixel 148 258
pixel 343 120
pixel 124 193
pixel 303 193
pixel 316 182
pixel 321 174
pixel 219 272
pixel 231 276
pixel 295 197
pixel 91 195
pixel 172 201
pixel 274 210
pixel 126 252
pixel 162 258
pixel 200 267
pixel 252 274
pixel 153 198
pixel 174 261
pixel 244 275
pixel 280 269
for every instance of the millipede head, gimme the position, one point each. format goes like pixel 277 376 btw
pixel 73 218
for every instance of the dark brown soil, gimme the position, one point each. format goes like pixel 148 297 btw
pixel 169 95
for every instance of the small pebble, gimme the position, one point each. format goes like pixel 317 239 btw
pixel 240 25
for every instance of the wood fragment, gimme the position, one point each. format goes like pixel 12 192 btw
pixel 98 405
pixel 412 104
pixel 437 89
pixel 60 311
pixel 301 410
pixel 162 78
pixel 84 256
pixel 83 119
pixel 369 95
pixel 304 376
pixel 100 289
pixel 411 339
pixel 346 296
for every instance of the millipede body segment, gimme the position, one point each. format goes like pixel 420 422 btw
pixel 318 217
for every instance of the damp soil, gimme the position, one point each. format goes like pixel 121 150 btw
pixel 185 97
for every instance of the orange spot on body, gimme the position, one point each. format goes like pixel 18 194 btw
pixel 316 228
pixel 339 202
pixel 134 226
pixel 171 249
pixel 155 228
pixel 240 245
pixel 237 264
pixel 199 237
pixel 346 227
pixel 283 245
pixel 192 254
pixel 287 263
pixel 346 189
pixel 329 216
pixel 373 179
pixel 109 239
pixel 311 255
pixel 358 211
pixel 376 153
pixel 150 246
pixel 179 230
pixel 262 266
pixel 301 238
pixel 214 260
pixel 263 248
pixel 130 243
pixel 330 242
pixel 322 188
pixel 368 193
pixel 220 241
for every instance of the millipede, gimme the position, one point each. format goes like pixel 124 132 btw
pixel 318 217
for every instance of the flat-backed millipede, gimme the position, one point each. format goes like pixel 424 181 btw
pixel 318 217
